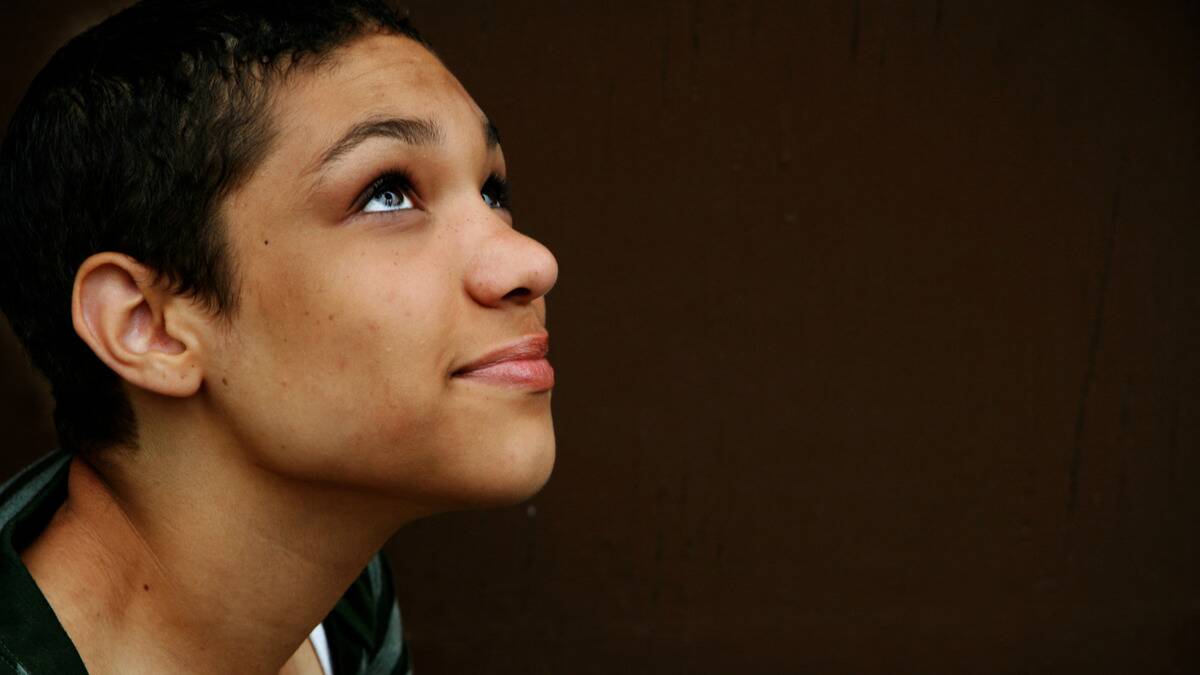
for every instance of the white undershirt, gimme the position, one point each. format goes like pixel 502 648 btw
pixel 321 644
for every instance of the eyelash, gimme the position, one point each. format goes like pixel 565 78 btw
pixel 400 182
pixel 499 188
pixel 394 181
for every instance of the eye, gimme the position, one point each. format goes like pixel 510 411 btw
pixel 496 192
pixel 390 192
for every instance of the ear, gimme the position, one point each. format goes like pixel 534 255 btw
pixel 139 329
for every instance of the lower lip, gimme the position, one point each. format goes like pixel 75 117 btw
pixel 526 374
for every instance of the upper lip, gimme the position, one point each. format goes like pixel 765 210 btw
pixel 530 347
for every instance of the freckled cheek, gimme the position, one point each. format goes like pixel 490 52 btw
pixel 382 322
pixel 291 323
pixel 382 334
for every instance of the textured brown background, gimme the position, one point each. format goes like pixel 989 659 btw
pixel 876 332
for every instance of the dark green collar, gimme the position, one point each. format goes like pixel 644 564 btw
pixel 32 641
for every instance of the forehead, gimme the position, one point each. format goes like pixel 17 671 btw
pixel 375 76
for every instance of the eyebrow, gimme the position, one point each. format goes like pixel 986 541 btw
pixel 413 131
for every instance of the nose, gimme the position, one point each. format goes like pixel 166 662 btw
pixel 510 268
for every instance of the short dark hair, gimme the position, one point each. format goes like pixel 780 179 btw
pixel 127 141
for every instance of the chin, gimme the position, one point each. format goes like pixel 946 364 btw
pixel 523 477
pixel 510 476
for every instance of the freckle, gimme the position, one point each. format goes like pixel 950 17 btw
pixel 145 587
pixel 224 381
pixel 331 317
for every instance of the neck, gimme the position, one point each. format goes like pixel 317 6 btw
pixel 182 560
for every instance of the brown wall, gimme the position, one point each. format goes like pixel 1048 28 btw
pixel 876 333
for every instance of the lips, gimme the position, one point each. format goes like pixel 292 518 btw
pixel 520 364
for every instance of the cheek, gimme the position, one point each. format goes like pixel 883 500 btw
pixel 350 359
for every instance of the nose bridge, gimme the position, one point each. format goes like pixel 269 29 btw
pixel 508 266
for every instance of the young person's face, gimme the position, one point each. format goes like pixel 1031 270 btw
pixel 360 298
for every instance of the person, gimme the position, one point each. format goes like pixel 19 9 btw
pixel 265 256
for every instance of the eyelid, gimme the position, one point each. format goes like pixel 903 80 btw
pixel 397 179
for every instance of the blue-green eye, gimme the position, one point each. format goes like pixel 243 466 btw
pixel 390 192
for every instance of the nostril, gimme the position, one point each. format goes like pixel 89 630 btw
pixel 517 293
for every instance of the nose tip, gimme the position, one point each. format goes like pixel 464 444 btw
pixel 512 268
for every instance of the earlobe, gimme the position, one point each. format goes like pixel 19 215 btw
pixel 122 314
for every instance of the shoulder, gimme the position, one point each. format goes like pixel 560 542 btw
pixel 364 629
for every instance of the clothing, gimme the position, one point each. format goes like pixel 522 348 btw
pixel 321 646
pixel 363 631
